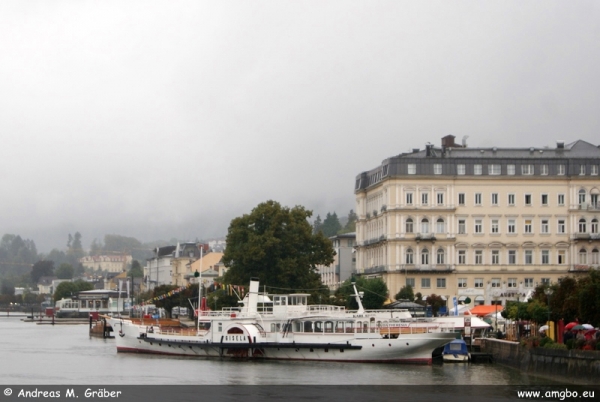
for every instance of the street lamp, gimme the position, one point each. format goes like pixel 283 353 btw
pixel 496 315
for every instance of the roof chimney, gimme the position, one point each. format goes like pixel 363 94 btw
pixel 448 141
pixel 560 144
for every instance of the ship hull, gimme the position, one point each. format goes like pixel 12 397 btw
pixel 362 348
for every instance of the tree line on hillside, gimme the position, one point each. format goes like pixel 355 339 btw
pixel 22 266
pixel 332 225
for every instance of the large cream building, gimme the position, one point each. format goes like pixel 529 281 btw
pixel 107 263
pixel 486 224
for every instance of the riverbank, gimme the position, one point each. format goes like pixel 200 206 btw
pixel 567 366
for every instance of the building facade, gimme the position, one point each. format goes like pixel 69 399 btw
pixel 170 264
pixel 344 261
pixel 486 224
pixel 106 263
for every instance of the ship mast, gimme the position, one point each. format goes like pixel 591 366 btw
pixel 358 296
pixel 199 289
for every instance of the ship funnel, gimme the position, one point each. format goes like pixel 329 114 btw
pixel 253 296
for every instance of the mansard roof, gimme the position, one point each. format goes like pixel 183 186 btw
pixel 566 158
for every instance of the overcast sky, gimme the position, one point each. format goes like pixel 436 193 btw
pixel 162 119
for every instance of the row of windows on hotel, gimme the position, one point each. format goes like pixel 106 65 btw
pixel 511 226
pixel 495 199
pixel 477 282
pixel 512 257
pixel 510 170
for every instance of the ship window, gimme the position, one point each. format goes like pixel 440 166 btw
pixel 308 326
pixel 329 326
pixel 318 326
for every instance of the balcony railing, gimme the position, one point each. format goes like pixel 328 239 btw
pixel 409 268
pixel 425 237
pixel 584 206
pixel 585 236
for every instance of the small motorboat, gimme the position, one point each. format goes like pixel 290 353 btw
pixel 456 351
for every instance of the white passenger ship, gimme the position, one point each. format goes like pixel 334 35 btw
pixel 285 327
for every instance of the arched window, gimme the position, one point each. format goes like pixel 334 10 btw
pixel 583 256
pixel 582 225
pixel 424 225
pixel 409 257
pixel 581 196
pixel 409 225
pixel 594 225
pixel 595 257
pixel 441 256
pixel 441 226
pixel 425 257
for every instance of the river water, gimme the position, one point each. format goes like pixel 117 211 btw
pixel 66 354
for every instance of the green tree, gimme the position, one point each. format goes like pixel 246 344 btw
pixel 41 268
pixel 65 290
pixel 436 302
pixel 331 225
pixel 16 255
pixel 317 225
pixel 120 244
pixel 168 302
pixel 351 224
pixel 29 298
pixel 57 256
pixel 589 297
pixel 516 310
pixel 136 270
pixel 74 249
pixel 64 271
pixel 276 244
pixel 566 295
pixel 406 293
pixel 375 293
pixel 7 287
pixel 96 247
pixel 68 289
pixel 537 311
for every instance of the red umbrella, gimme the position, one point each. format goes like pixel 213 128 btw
pixel 570 325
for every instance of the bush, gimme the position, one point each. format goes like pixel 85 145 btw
pixel 554 345
pixel 579 343
pixel 546 341
pixel 531 343
pixel 570 343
